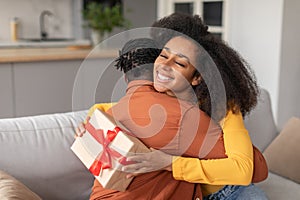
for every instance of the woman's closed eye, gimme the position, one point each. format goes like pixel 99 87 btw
pixel 180 64
pixel 163 56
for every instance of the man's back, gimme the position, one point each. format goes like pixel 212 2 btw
pixel 166 123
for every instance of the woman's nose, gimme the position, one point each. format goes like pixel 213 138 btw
pixel 167 63
pixel 166 66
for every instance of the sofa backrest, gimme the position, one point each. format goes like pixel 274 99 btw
pixel 36 151
pixel 260 123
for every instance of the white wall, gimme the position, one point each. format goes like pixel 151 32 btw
pixel 67 20
pixel 255 28
pixel 289 90
pixel 29 10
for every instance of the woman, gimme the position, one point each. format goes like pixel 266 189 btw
pixel 239 83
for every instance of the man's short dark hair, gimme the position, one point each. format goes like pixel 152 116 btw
pixel 136 58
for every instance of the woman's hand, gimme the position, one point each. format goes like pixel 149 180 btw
pixel 148 162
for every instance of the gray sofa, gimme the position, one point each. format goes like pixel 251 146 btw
pixel 262 129
pixel 36 151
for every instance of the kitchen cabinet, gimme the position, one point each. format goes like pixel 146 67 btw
pixel 97 81
pixel 44 87
pixel 33 88
pixel 6 91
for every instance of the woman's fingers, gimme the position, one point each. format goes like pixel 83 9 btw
pixel 148 162
pixel 137 158
pixel 135 168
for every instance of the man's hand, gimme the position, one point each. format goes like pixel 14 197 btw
pixel 148 162
pixel 80 129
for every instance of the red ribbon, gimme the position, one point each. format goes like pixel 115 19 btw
pixel 103 160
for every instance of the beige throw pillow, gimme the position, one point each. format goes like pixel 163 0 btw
pixel 283 154
pixel 12 189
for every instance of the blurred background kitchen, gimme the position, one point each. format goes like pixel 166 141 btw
pixel 65 17
pixel 265 32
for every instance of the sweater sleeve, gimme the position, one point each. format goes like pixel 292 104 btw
pixel 101 106
pixel 236 169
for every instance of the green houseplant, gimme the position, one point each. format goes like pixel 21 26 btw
pixel 103 19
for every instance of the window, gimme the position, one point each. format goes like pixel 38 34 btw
pixel 213 12
pixel 184 7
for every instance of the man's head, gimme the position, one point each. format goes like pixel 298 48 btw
pixel 136 59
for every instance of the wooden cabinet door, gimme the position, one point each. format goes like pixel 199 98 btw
pixel 44 87
pixel 6 91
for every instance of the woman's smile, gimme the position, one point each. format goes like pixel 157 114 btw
pixel 163 77
pixel 173 69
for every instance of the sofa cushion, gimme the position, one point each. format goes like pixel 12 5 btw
pixel 278 188
pixel 36 151
pixel 260 122
pixel 12 189
pixel 282 155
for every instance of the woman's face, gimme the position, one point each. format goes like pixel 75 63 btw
pixel 174 70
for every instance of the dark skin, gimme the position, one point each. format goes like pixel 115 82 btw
pixel 238 78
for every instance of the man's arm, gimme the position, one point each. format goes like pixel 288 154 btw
pixel 260 171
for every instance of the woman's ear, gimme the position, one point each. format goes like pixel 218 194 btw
pixel 196 80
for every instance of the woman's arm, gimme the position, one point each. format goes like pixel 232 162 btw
pixel 101 106
pixel 236 169
pixel 80 129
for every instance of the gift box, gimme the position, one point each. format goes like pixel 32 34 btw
pixel 103 150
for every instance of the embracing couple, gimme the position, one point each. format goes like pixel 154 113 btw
pixel 186 98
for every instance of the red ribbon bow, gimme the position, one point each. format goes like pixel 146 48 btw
pixel 103 160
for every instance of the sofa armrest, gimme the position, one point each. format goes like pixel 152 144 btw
pixel 36 150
